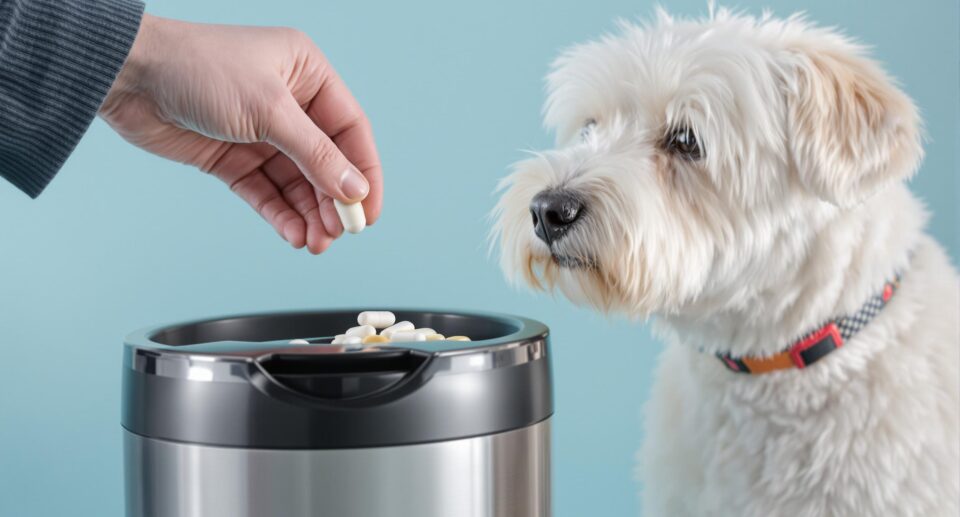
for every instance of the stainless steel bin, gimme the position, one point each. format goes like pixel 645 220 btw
pixel 225 418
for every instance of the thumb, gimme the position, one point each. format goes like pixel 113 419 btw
pixel 293 132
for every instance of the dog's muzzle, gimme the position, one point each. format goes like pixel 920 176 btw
pixel 554 213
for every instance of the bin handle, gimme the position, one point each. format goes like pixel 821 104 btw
pixel 412 365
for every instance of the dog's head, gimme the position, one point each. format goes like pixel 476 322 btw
pixel 692 154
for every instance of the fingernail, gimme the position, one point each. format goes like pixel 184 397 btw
pixel 288 233
pixel 353 184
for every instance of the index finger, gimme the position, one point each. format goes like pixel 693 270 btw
pixel 338 114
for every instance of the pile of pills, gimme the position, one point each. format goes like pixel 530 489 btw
pixel 391 331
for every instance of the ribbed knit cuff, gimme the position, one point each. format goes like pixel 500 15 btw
pixel 58 59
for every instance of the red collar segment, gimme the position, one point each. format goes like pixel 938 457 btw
pixel 819 343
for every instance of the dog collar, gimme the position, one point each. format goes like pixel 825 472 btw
pixel 819 343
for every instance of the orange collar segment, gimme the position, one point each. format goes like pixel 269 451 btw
pixel 817 344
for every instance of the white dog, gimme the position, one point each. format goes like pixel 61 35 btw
pixel 742 179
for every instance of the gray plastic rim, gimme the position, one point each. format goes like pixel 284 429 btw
pixel 239 404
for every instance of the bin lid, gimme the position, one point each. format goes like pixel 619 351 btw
pixel 237 381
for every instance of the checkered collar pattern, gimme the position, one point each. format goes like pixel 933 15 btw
pixel 819 343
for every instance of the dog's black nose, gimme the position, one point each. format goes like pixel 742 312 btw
pixel 554 212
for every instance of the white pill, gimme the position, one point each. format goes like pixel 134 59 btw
pixel 425 331
pixel 352 216
pixel 377 319
pixel 352 340
pixel 338 339
pixel 299 342
pixel 407 335
pixel 403 325
pixel 362 331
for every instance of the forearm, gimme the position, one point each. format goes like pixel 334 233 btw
pixel 58 59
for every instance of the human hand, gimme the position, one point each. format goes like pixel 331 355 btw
pixel 261 109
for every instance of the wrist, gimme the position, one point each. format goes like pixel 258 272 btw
pixel 131 77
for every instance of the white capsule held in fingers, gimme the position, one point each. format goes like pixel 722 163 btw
pixel 377 319
pixel 351 216
pixel 299 342
pixel 362 331
pixel 403 325
pixel 401 336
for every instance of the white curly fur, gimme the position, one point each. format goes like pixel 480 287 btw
pixel 796 213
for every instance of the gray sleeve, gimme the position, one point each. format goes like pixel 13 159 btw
pixel 58 59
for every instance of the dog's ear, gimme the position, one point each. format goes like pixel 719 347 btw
pixel 851 130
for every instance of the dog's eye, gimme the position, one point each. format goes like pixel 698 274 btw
pixel 587 128
pixel 683 142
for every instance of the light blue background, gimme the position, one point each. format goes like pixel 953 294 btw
pixel 123 239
